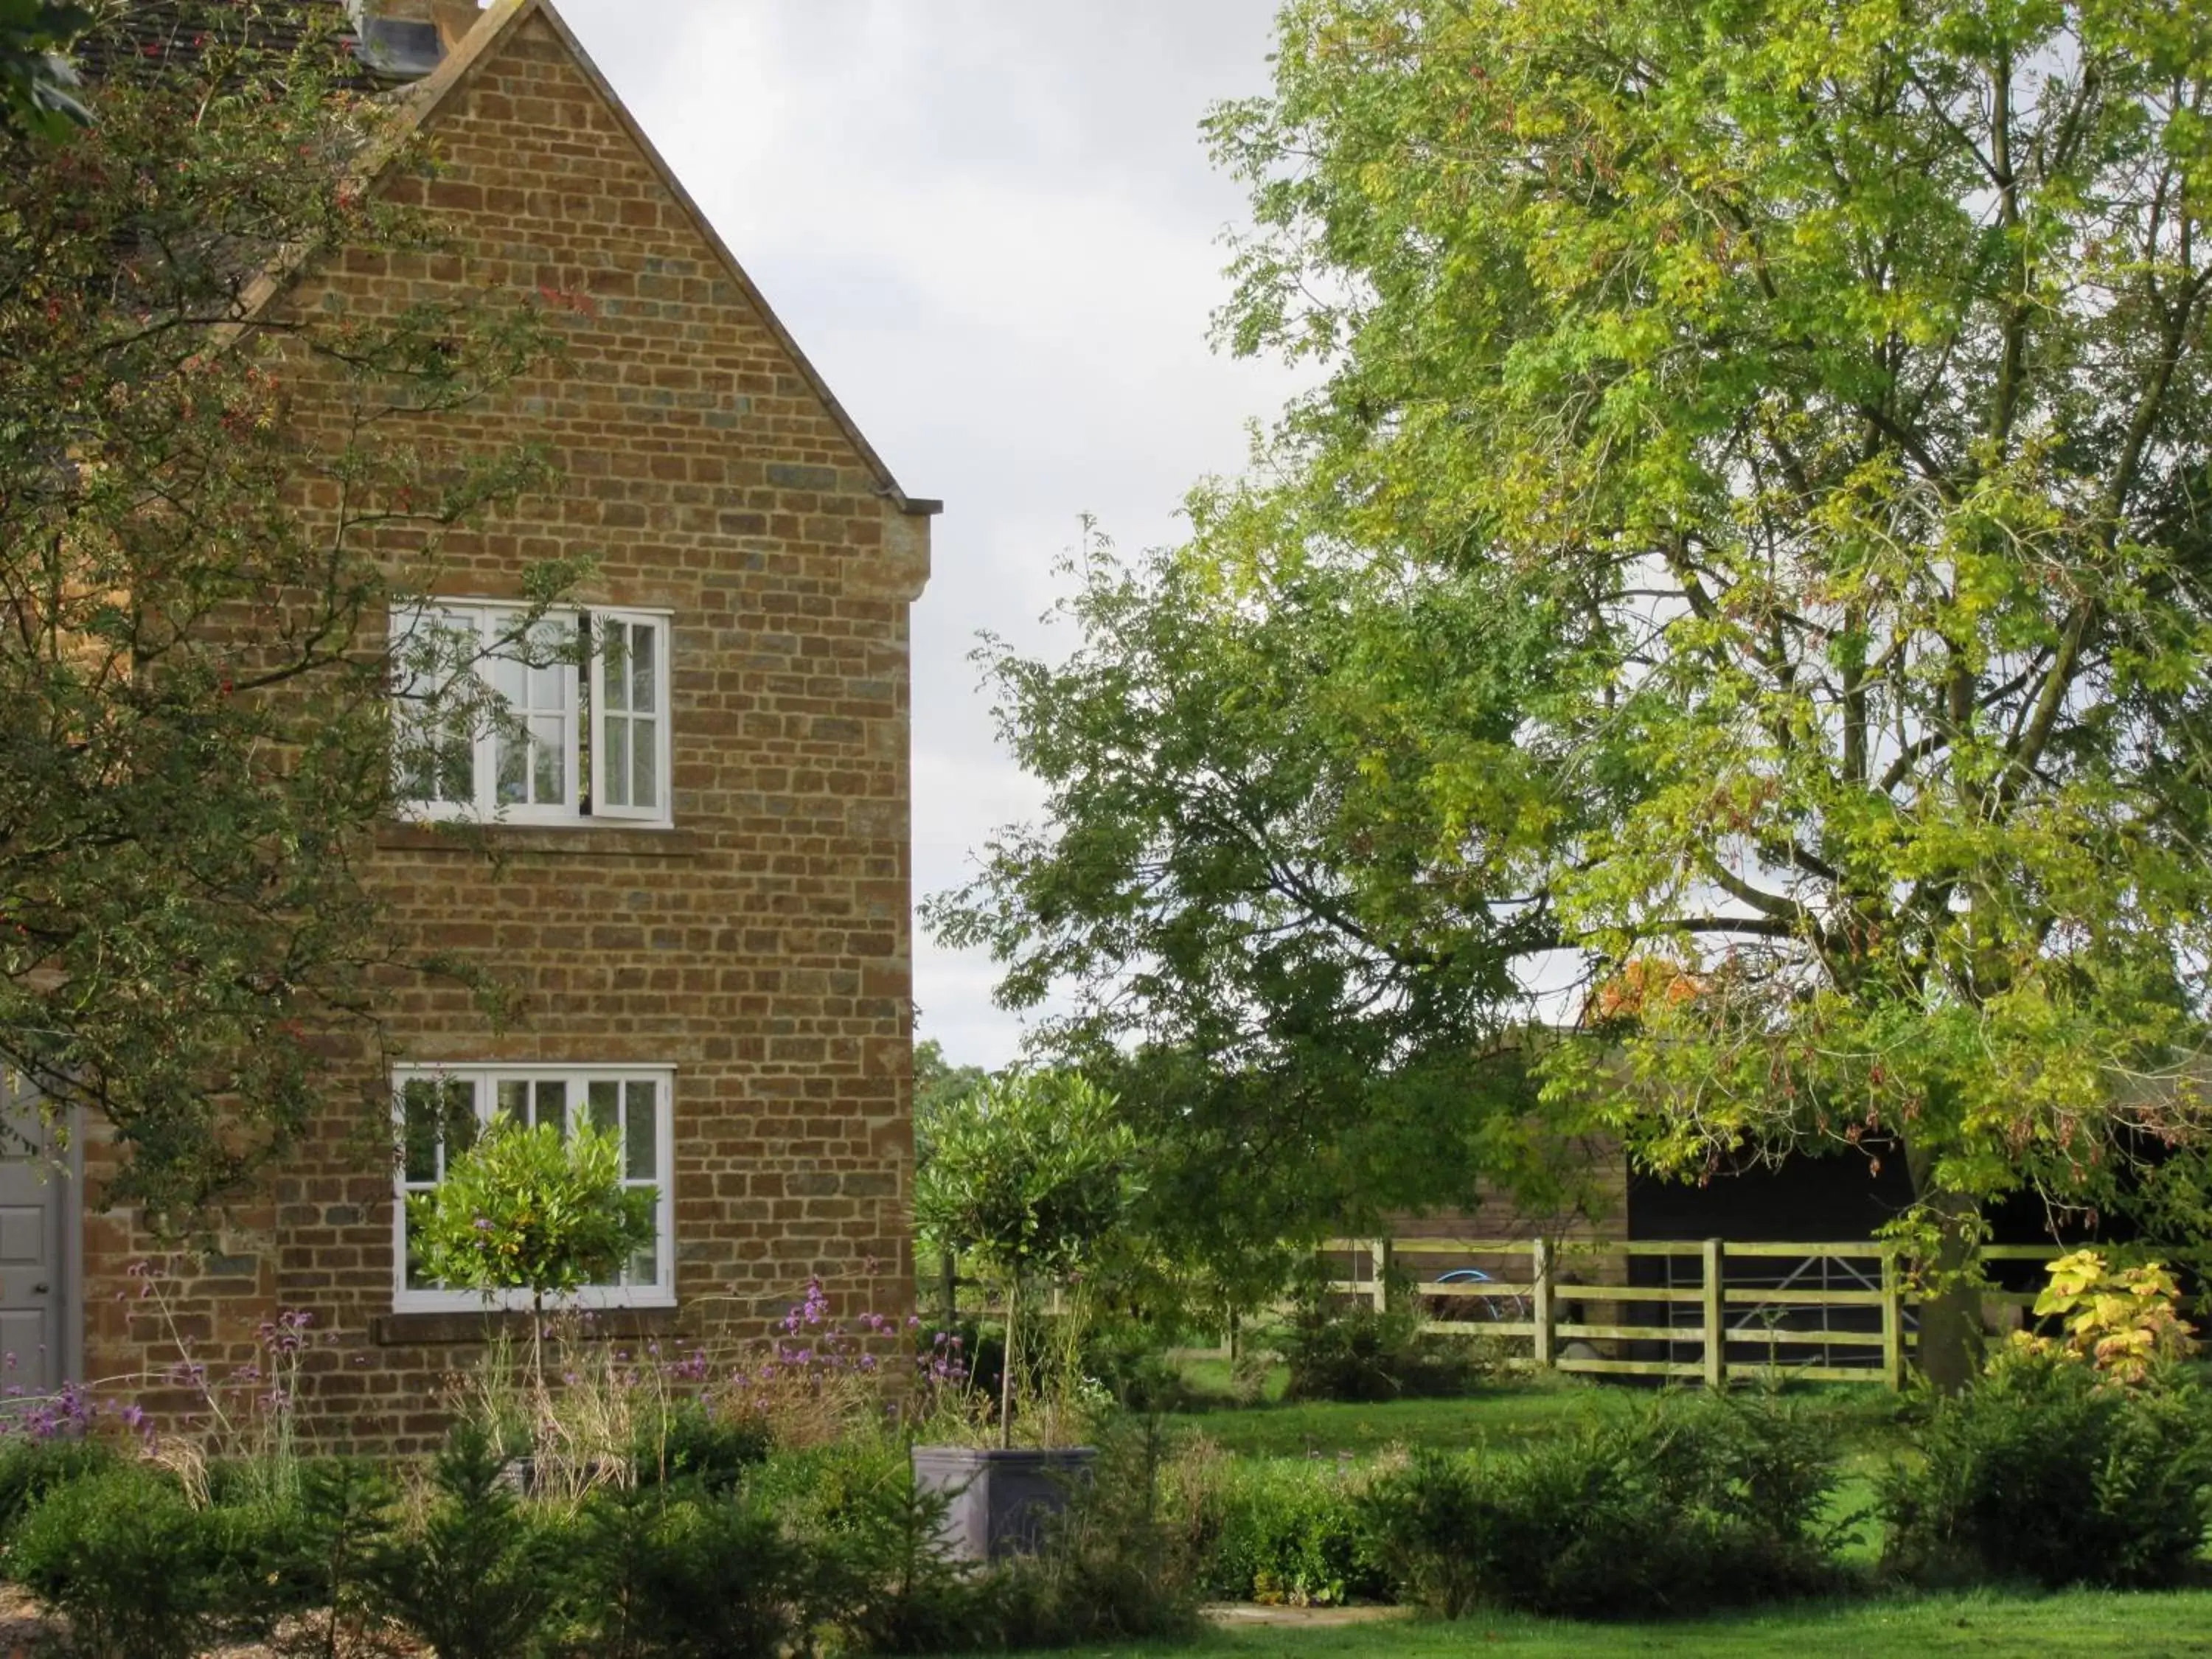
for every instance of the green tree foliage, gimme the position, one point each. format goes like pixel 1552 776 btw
pixel 37 87
pixel 1033 1174
pixel 1752 511
pixel 191 613
pixel 1032 1177
pixel 532 1209
pixel 938 1086
pixel 1307 1017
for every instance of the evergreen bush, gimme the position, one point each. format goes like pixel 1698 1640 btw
pixel 1285 1533
pixel 1703 1504
pixel 681 1572
pixel 1359 1355
pixel 139 1572
pixel 475 1579
pixel 31 1466
pixel 2044 1471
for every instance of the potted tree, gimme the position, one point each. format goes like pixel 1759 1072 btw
pixel 532 1209
pixel 1029 1177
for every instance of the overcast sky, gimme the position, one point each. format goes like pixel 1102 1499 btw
pixel 992 226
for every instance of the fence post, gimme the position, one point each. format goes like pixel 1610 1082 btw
pixel 1381 1249
pixel 1540 1294
pixel 1892 1318
pixel 1716 1315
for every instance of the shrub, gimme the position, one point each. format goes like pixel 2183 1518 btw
pixel 1686 1507
pixel 31 1468
pixel 139 1573
pixel 1360 1355
pixel 814 1487
pixel 2040 1472
pixel 681 1572
pixel 884 1577
pixel 1114 1568
pixel 318 1554
pixel 2123 1322
pixel 689 1443
pixel 1286 1533
pixel 1439 1523
pixel 475 1577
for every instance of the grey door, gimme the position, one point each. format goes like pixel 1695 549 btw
pixel 33 1188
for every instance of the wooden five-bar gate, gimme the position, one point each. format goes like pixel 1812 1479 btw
pixel 1703 1309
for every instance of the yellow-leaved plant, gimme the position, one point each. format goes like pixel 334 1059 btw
pixel 2125 1322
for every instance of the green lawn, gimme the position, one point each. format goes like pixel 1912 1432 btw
pixel 1501 1418
pixel 2045 1627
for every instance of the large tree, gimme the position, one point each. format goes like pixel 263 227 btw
pixel 1795 416
pixel 1236 904
pixel 192 622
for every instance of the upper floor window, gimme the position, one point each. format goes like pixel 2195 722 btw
pixel 560 717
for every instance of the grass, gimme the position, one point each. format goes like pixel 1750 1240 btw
pixel 1983 1623
pixel 1504 1418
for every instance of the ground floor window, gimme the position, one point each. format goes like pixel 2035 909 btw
pixel 440 1111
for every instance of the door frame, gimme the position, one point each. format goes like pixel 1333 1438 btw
pixel 69 1292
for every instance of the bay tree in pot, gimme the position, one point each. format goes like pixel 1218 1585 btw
pixel 1030 1178
pixel 532 1209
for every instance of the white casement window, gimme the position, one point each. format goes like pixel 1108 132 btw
pixel 562 721
pixel 629 703
pixel 438 1111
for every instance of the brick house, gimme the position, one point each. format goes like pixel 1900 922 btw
pixel 713 934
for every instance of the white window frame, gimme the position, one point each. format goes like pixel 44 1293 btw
pixel 601 713
pixel 585 728
pixel 485 1079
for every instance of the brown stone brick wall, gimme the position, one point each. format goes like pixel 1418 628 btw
pixel 762 947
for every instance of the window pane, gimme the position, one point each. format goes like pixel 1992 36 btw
pixel 617 666
pixel 455 758
pixel 644 754
pixel 549 682
pixel 460 1117
pixel 438 1121
pixel 514 788
pixel 606 1105
pixel 435 760
pixel 553 1104
pixel 419 1096
pixel 615 769
pixel 643 657
pixel 642 1142
pixel 549 743
pixel 510 678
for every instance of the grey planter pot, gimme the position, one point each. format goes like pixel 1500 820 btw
pixel 1002 1501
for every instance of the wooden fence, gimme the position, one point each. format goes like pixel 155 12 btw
pixel 1750 1308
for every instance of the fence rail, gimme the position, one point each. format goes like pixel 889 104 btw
pixel 1776 1318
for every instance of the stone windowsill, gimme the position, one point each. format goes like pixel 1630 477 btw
pixel 500 840
pixel 395 1330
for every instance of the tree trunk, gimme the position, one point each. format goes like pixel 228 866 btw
pixel 1950 1344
